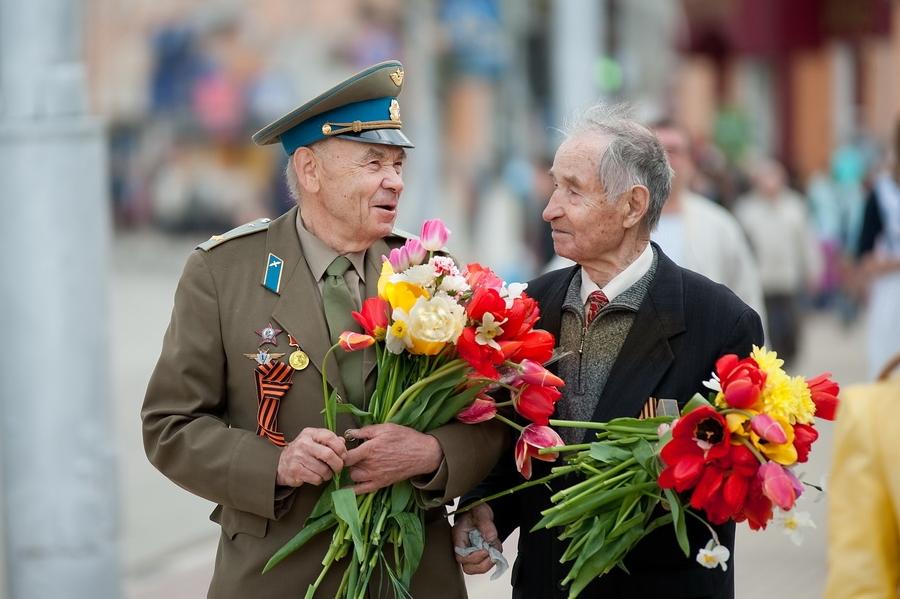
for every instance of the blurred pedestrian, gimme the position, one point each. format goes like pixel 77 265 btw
pixel 778 226
pixel 700 235
pixel 864 493
pixel 879 255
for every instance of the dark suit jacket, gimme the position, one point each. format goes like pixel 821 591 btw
pixel 683 325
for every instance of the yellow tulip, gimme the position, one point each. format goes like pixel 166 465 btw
pixel 384 279
pixel 403 295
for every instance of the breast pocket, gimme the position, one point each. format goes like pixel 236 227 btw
pixel 235 522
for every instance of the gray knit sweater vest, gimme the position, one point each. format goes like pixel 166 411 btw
pixel 593 350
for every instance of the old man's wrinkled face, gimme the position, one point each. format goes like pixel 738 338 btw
pixel 586 225
pixel 361 188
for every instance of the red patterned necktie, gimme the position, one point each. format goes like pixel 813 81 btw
pixel 596 300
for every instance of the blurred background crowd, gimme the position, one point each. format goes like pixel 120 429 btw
pixel 780 119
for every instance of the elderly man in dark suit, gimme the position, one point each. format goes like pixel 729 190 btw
pixel 233 412
pixel 636 327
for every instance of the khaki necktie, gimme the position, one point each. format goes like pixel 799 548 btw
pixel 339 303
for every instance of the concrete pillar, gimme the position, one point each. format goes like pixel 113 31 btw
pixel 578 27
pixel 59 499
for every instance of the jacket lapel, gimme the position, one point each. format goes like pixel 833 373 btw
pixel 551 306
pixel 646 355
pixel 373 272
pixel 299 308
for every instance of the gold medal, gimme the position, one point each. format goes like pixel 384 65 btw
pixel 299 360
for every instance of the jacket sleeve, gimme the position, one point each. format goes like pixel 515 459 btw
pixel 747 332
pixel 863 544
pixel 185 428
pixel 470 451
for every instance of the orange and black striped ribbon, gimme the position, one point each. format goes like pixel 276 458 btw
pixel 649 409
pixel 272 381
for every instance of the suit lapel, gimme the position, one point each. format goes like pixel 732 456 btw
pixel 551 306
pixel 299 308
pixel 646 355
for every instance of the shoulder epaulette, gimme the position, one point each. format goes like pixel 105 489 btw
pixel 395 232
pixel 260 224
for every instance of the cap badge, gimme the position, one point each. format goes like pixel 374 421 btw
pixel 397 77
pixel 395 111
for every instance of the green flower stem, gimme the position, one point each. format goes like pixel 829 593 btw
pixel 509 422
pixel 415 388
pixel 743 441
pixel 578 424
pixel 577 499
pixel 706 524
pixel 561 448
pixel 555 473
pixel 603 475
pixel 329 419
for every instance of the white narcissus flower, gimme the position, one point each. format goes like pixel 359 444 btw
pixel 792 521
pixel 713 555
pixel 713 384
pixel 489 328
pixel 397 338
pixel 512 292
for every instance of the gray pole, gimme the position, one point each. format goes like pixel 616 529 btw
pixel 578 27
pixel 59 494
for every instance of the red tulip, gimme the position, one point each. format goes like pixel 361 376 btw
pixel 533 373
pixel 520 317
pixel 350 341
pixel 757 508
pixel 537 345
pixel 486 300
pixel 374 317
pixel 533 439
pixel 698 438
pixel 536 403
pixel 479 276
pixel 483 358
pixel 824 394
pixel 804 436
pixel 741 380
pixel 480 410
pixel 777 485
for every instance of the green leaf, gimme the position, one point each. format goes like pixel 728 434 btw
pixel 401 495
pixel 412 539
pixel 608 454
pixel 310 529
pixel 697 401
pixel 322 507
pixel 604 560
pixel 678 520
pixel 346 509
pixel 644 454
pixel 344 408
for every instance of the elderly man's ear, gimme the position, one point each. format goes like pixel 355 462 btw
pixel 307 168
pixel 634 204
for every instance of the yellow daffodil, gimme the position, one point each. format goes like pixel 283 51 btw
pixel 386 271
pixel 403 295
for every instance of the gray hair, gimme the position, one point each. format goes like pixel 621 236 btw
pixel 293 184
pixel 632 157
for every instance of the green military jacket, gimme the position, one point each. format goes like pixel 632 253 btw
pixel 200 415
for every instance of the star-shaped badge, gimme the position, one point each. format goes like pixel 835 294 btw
pixel 268 334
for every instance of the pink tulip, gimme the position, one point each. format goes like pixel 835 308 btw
pixel 533 373
pixel 399 259
pixel 434 235
pixel 778 485
pixel 350 341
pixel 768 428
pixel 535 437
pixel 481 410
pixel 417 254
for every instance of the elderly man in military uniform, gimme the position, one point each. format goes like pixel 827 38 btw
pixel 233 411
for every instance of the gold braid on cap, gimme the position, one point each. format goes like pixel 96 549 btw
pixel 357 126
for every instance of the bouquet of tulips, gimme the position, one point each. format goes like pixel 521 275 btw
pixel 442 338
pixel 730 456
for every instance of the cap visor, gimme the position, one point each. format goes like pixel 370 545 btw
pixel 388 137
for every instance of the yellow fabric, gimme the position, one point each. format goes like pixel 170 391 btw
pixel 864 495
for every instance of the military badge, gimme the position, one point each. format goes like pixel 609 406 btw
pixel 268 334
pixel 263 357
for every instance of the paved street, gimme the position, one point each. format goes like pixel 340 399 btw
pixel 168 545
